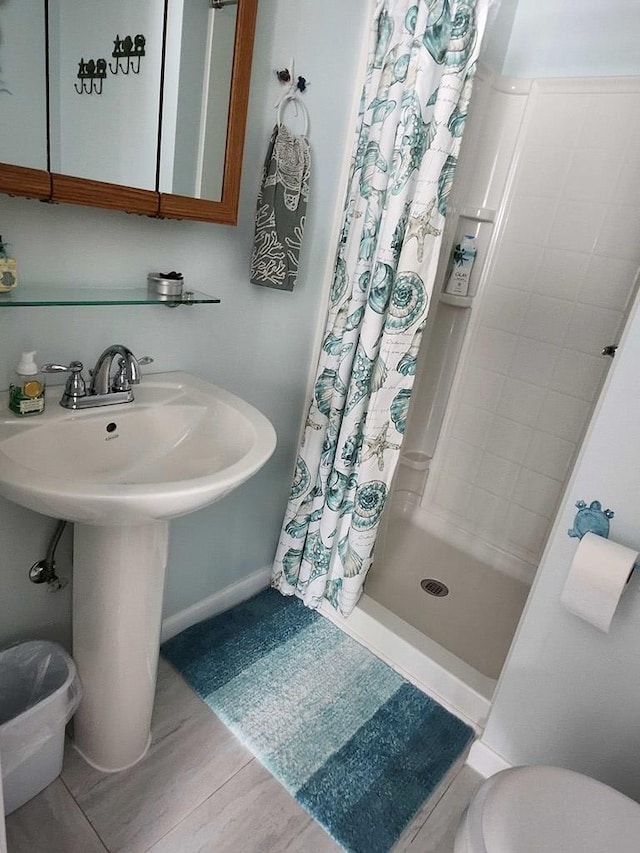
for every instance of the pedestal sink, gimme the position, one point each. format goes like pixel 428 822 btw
pixel 119 473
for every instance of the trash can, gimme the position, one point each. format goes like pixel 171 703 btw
pixel 39 692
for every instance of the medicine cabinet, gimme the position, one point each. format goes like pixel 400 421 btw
pixel 139 107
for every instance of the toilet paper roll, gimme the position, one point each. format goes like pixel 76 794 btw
pixel 597 578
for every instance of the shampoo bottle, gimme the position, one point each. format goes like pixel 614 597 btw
pixel 26 391
pixel 462 260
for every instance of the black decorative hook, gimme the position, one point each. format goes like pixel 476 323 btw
pixel 128 48
pixel 91 74
pixel 285 76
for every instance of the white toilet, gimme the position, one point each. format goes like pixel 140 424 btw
pixel 548 810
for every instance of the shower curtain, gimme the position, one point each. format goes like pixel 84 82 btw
pixel 422 59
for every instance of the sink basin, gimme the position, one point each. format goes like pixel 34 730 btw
pixel 181 445
pixel 120 473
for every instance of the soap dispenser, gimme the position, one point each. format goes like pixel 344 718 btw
pixel 26 391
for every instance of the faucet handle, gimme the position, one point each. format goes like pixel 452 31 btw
pixel 128 372
pixel 75 386
pixel 74 367
pixel 134 364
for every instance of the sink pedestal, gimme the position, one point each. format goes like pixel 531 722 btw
pixel 119 473
pixel 118 583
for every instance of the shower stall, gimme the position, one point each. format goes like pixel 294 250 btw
pixel 508 376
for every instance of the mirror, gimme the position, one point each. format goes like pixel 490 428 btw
pixel 224 139
pixel 147 103
pixel 23 129
pixel 104 125
pixel 195 102
pixel 23 98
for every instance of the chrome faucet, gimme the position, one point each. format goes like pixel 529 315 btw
pixel 128 370
pixel 105 389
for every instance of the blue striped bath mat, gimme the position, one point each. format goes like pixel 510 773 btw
pixel 358 746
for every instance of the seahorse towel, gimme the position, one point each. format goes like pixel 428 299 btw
pixel 281 210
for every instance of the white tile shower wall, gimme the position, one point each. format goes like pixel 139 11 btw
pixel 561 275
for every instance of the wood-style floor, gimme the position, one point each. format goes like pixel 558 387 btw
pixel 199 790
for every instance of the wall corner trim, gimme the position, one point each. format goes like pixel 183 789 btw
pixel 216 603
pixel 485 761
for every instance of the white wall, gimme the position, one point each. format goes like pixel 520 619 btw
pixel 256 343
pixel 570 694
pixel 566 38
pixel 556 290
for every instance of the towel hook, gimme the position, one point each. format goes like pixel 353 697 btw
pixel 287 77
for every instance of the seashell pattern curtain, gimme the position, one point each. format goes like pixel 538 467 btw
pixel 422 59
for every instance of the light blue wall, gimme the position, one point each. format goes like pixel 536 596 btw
pixel 22 84
pixel 257 343
pixel 498 33
pixel 565 38
pixel 112 136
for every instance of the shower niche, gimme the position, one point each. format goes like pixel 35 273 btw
pixel 444 339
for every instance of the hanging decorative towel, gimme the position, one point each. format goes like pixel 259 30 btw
pixel 282 206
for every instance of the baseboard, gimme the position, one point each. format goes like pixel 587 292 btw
pixel 485 761
pixel 216 603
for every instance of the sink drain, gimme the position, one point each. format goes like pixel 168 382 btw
pixel 434 587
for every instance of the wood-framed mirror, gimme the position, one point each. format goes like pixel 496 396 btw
pixel 157 128
pixel 23 99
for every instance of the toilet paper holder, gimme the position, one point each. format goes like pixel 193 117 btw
pixel 591 518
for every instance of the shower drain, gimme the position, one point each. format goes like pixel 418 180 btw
pixel 434 587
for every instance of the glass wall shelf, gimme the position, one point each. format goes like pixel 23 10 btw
pixel 29 295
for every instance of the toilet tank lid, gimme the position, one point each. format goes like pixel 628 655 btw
pixel 529 809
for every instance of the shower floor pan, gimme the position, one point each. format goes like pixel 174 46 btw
pixel 475 620
pixel 454 654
